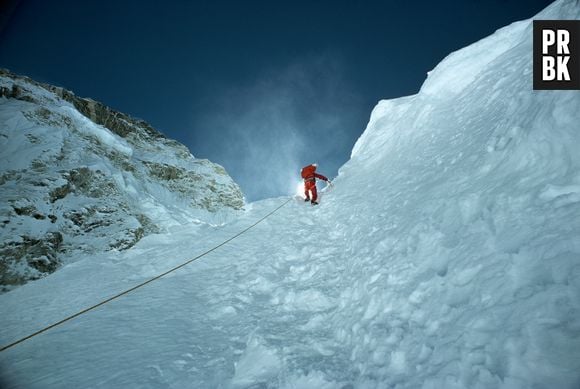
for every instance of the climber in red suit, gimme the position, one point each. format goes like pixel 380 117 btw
pixel 309 175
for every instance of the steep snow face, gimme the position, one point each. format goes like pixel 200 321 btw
pixel 468 194
pixel 78 177
pixel 446 256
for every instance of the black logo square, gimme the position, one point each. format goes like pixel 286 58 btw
pixel 556 54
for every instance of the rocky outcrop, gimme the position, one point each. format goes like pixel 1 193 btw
pixel 80 177
pixel 35 257
pixel 136 131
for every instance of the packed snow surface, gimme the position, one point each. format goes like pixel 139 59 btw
pixel 446 256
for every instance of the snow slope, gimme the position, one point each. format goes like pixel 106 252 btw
pixel 446 256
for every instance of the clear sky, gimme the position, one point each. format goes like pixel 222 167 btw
pixel 261 87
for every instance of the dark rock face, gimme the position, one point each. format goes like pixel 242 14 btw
pixel 119 123
pixel 82 178
pixel 38 257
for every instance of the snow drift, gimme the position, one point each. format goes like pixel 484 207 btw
pixel 446 256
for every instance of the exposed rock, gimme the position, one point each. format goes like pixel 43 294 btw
pixel 28 259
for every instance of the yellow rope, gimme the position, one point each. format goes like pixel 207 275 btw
pixel 141 284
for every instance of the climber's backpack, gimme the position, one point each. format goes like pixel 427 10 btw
pixel 308 171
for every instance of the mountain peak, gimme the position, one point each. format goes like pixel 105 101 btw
pixel 80 177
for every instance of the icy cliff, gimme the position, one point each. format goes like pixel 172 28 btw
pixel 78 177
pixel 469 199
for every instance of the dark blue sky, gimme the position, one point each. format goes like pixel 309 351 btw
pixel 261 87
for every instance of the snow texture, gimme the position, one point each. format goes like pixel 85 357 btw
pixel 446 256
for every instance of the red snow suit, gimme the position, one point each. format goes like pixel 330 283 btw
pixel 310 176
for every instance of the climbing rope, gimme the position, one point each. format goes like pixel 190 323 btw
pixel 141 284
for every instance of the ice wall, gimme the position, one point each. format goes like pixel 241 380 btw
pixel 468 198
